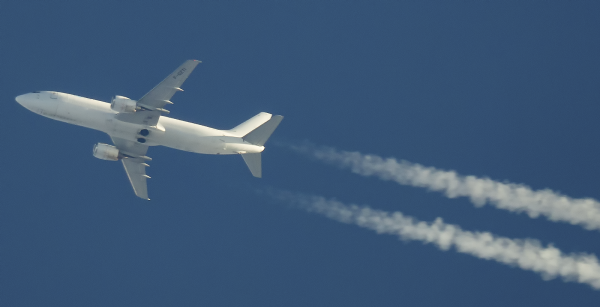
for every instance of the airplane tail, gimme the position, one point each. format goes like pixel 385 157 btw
pixel 251 124
pixel 253 160
pixel 256 131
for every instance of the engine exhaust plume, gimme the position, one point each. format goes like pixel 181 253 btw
pixel 527 254
pixel 508 196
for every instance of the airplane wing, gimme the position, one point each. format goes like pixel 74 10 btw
pixel 152 105
pixel 135 164
pixel 154 101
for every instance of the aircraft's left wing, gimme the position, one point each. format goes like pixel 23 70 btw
pixel 159 96
pixel 135 164
pixel 154 101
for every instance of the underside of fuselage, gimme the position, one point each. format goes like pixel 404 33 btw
pixel 169 132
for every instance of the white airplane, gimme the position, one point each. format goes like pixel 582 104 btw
pixel 133 126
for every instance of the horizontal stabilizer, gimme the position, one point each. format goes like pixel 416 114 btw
pixel 260 135
pixel 253 161
pixel 251 124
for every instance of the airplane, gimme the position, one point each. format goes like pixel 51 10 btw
pixel 133 126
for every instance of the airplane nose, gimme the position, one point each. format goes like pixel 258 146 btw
pixel 20 99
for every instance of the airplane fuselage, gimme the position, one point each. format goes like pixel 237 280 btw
pixel 169 132
pixel 135 125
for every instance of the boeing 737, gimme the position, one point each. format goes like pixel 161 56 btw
pixel 134 126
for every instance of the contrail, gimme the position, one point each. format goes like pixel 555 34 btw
pixel 527 254
pixel 481 191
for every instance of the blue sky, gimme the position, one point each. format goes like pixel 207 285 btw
pixel 508 90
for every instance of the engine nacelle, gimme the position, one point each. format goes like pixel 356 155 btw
pixel 106 152
pixel 123 104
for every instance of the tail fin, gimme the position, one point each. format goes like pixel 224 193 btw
pixel 257 131
pixel 254 163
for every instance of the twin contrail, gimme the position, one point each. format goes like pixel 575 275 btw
pixel 509 196
pixel 527 254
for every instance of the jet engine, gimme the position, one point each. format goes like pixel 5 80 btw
pixel 123 104
pixel 106 152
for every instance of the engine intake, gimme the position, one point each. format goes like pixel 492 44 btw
pixel 106 152
pixel 123 104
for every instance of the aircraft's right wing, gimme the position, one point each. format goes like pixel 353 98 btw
pixel 136 171
pixel 135 164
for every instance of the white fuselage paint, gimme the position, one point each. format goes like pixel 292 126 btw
pixel 169 132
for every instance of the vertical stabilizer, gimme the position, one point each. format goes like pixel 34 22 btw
pixel 254 163
pixel 257 131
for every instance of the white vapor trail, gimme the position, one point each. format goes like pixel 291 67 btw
pixel 509 196
pixel 527 254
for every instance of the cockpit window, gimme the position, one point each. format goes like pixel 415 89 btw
pixel 35 91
